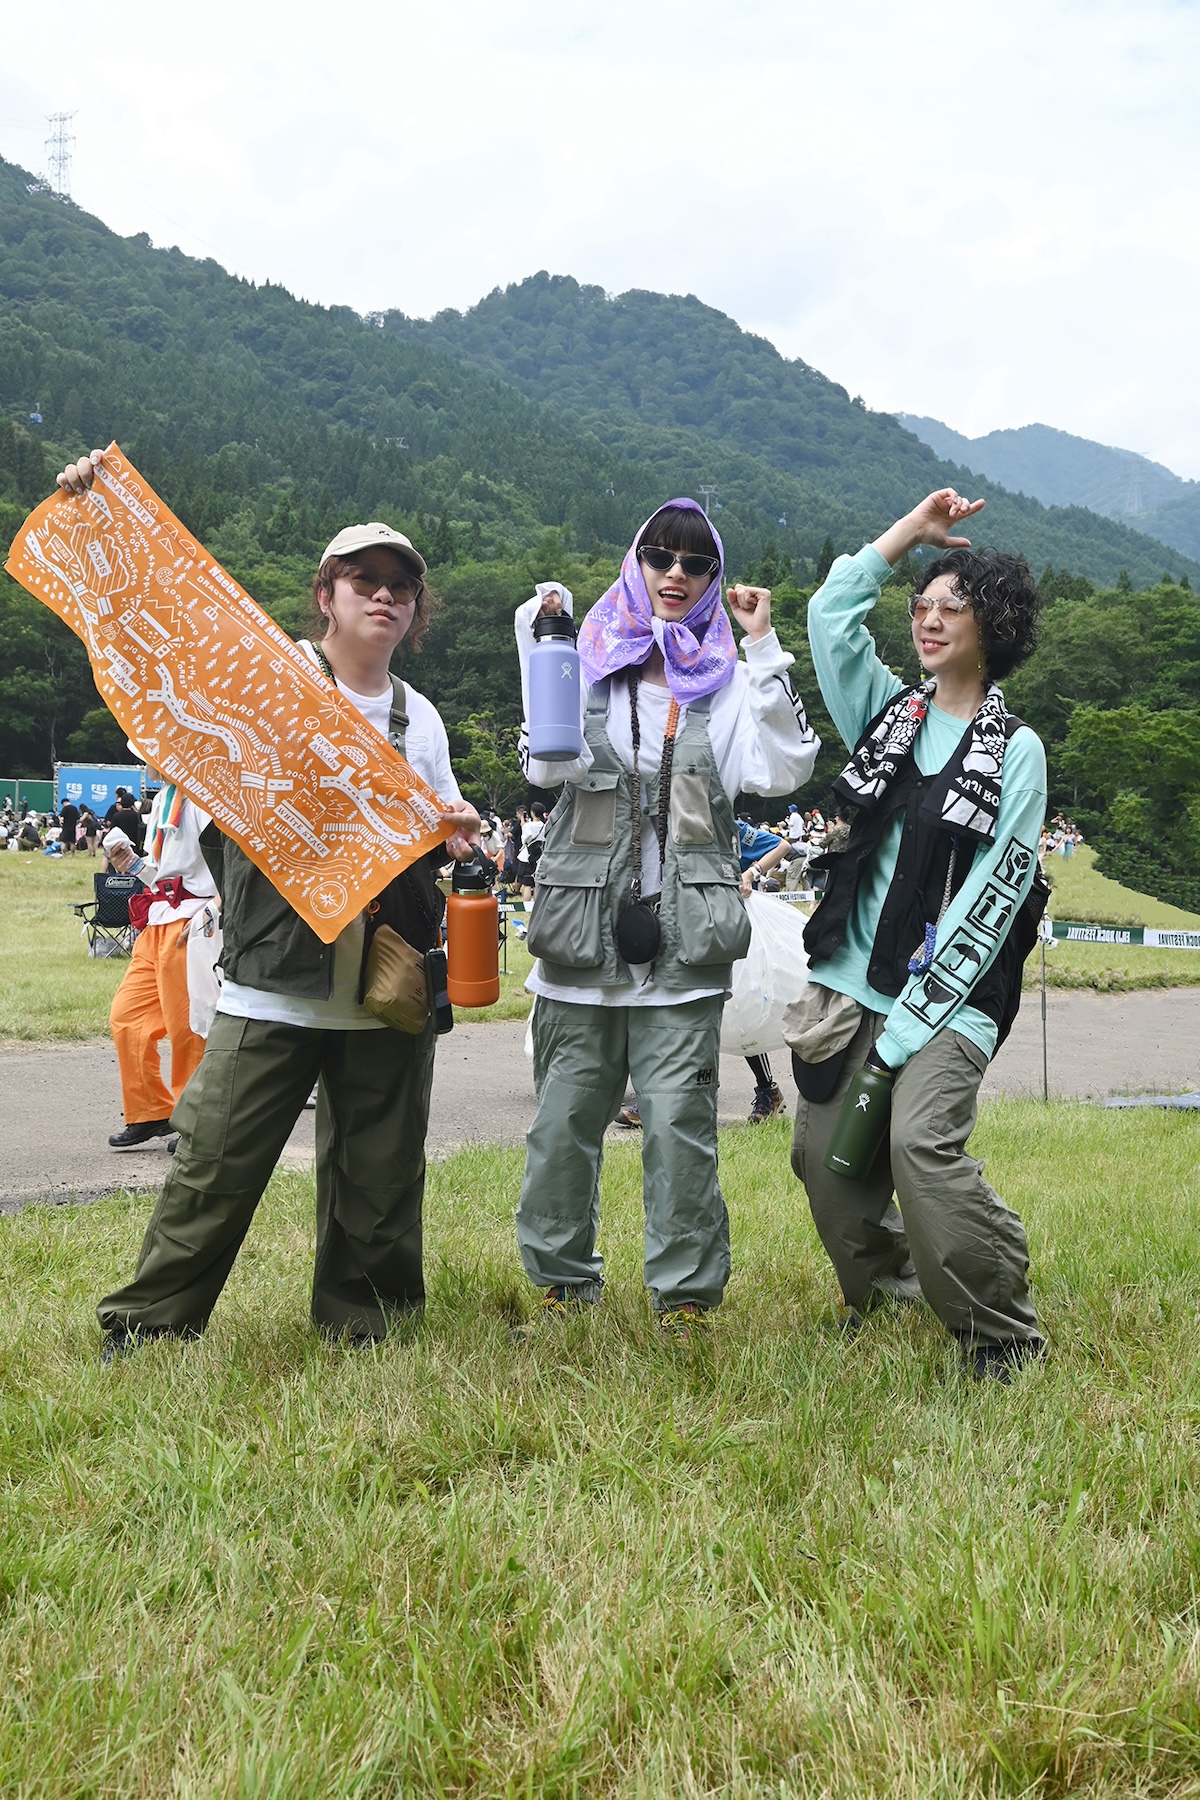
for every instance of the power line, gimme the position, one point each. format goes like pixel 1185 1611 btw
pixel 58 153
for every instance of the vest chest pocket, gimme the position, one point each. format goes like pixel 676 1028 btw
pixel 594 812
pixel 714 926
pixel 566 924
pixel 691 809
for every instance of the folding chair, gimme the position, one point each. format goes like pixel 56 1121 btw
pixel 106 918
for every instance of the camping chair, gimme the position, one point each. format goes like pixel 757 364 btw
pixel 106 918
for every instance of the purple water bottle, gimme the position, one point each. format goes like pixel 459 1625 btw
pixel 555 712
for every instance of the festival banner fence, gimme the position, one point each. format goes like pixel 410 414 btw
pixel 222 701
pixel 1152 937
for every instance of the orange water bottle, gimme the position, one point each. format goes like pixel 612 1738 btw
pixel 473 935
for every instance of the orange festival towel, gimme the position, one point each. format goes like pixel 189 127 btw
pixel 220 700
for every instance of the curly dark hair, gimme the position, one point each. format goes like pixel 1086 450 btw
pixel 1004 598
pixel 316 624
pixel 679 528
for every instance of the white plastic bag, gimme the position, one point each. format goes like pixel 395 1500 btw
pixel 769 977
pixel 204 943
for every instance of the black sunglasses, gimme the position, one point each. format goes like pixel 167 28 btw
pixel 693 566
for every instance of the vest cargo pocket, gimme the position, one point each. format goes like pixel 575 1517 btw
pixel 594 817
pixel 691 808
pixel 566 924
pixel 713 924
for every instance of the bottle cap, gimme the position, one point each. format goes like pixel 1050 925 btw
pixel 474 877
pixel 555 625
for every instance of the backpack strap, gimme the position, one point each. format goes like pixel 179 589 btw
pixel 398 722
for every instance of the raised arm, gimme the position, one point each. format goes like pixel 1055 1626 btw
pixel 929 523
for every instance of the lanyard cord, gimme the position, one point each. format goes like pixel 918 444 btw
pixel 664 782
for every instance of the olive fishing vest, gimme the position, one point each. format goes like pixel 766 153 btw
pixel 584 874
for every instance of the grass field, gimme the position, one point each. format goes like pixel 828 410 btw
pixel 53 991
pixel 779 1563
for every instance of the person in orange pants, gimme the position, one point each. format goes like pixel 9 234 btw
pixel 152 1001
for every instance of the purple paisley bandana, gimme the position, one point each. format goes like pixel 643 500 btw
pixel 698 650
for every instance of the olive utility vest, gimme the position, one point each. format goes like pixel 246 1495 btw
pixel 584 874
pixel 267 944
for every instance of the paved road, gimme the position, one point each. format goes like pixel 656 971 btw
pixel 61 1102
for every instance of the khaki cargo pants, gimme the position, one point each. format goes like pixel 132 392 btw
pixel 952 1241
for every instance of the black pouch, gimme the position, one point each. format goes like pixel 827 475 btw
pixel 435 987
pixel 816 1081
pixel 639 933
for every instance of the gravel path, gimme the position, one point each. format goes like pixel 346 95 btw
pixel 62 1101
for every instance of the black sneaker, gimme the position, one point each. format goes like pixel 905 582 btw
pixel 133 1135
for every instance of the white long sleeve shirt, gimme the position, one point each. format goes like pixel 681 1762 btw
pixel 762 743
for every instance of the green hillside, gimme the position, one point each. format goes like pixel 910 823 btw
pixel 620 366
pixel 526 439
pixel 1063 470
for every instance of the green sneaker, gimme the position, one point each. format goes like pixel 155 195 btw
pixel 684 1324
pixel 556 1305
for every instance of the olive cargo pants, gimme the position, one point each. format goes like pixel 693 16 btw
pixel 235 1117
pixel 581 1055
pixel 957 1244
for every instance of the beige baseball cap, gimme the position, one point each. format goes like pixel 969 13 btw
pixel 364 537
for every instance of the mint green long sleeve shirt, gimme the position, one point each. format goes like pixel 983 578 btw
pixel 856 685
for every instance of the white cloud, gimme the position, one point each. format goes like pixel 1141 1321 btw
pixel 991 221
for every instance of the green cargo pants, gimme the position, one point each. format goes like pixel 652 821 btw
pixel 581 1056
pixel 234 1118
pixel 957 1243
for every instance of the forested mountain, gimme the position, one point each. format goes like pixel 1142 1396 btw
pixel 524 439
pixel 1063 470
pixel 637 363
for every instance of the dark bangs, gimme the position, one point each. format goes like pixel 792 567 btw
pixel 678 528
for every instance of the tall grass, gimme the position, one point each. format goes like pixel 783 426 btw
pixel 778 1563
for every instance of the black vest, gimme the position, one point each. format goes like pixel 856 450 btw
pixel 917 889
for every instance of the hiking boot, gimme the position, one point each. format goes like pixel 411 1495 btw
pixel 122 1340
pixel 683 1324
pixel 630 1117
pixel 767 1102
pixel 1000 1362
pixel 556 1305
pixel 139 1134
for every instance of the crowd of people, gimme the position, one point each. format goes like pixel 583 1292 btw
pixel 73 829
pixel 636 879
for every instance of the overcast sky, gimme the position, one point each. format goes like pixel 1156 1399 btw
pixel 987 213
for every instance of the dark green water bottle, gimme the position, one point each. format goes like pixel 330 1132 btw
pixel 863 1120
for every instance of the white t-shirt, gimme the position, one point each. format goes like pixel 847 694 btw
pixel 427 748
pixel 182 856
